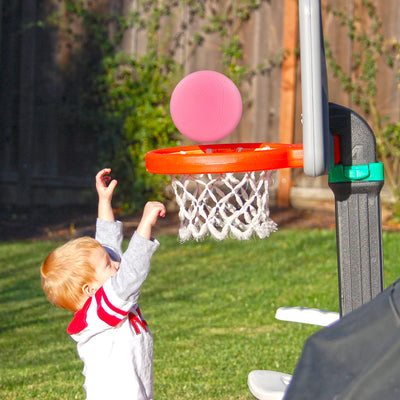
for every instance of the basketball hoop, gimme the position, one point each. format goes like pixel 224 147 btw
pixel 222 190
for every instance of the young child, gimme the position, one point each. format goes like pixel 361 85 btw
pixel 92 278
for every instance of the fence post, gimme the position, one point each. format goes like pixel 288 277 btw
pixel 288 94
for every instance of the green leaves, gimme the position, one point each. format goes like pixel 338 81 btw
pixel 136 120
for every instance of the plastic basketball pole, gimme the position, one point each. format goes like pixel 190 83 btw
pixel 356 183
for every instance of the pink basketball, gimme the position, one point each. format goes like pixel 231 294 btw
pixel 206 106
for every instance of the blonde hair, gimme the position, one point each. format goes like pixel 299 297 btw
pixel 66 270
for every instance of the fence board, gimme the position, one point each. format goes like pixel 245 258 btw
pixel 32 90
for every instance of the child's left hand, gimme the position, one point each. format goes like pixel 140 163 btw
pixel 152 210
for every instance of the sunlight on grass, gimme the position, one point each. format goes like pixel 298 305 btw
pixel 210 305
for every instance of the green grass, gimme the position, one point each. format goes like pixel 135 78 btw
pixel 210 306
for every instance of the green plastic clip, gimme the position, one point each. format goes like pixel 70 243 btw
pixel 356 173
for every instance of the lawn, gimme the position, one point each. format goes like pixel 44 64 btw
pixel 210 306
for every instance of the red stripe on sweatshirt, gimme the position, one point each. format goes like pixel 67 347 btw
pixel 105 316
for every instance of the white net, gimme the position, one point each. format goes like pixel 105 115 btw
pixel 224 205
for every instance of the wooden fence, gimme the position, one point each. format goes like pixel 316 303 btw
pixel 44 161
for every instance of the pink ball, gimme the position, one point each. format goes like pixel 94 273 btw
pixel 206 106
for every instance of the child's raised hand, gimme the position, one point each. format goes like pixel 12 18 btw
pixel 105 191
pixel 152 210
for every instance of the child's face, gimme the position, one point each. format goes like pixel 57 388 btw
pixel 105 267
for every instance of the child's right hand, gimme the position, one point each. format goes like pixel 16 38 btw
pixel 152 210
pixel 105 191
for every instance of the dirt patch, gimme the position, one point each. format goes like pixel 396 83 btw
pixel 65 223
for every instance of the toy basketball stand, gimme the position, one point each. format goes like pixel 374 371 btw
pixel 356 182
pixel 356 179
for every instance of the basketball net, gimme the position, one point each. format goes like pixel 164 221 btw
pixel 224 205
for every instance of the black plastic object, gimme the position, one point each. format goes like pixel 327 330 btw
pixel 356 358
pixel 358 209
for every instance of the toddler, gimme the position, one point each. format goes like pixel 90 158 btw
pixel 94 279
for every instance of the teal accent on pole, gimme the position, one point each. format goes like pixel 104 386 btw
pixel 356 173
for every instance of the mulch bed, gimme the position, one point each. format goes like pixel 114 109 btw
pixel 64 223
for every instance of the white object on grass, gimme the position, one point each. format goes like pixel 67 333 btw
pixel 268 385
pixel 306 315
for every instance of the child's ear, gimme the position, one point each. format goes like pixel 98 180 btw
pixel 88 290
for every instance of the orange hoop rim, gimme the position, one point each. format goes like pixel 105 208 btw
pixel 224 158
